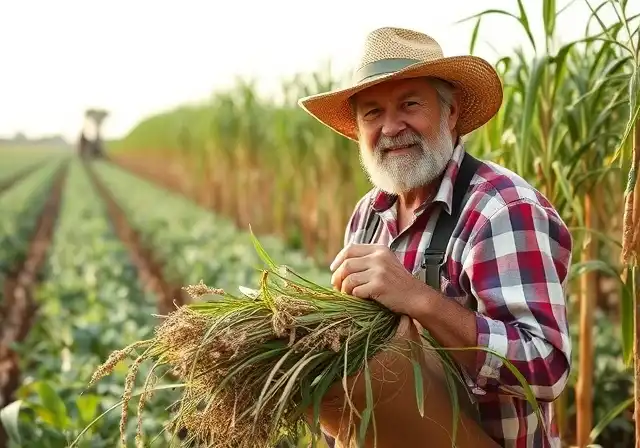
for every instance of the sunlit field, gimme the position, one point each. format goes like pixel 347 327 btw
pixel 94 249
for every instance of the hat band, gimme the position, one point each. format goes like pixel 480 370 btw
pixel 382 67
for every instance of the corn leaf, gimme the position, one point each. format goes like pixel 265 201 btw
pixel 9 416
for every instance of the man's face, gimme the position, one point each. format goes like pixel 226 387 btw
pixel 405 135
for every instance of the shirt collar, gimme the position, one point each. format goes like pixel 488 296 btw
pixel 383 201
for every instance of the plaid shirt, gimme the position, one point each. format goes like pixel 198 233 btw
pixel 512 251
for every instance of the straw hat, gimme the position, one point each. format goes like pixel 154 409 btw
pixel 396 53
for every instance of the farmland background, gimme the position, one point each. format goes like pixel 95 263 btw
pixel 92 248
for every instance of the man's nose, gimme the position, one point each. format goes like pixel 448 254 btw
pixel 392 125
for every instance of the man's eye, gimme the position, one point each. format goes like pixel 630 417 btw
pixel 410 103
pixel 371 112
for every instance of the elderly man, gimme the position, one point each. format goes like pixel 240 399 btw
pixel 466 249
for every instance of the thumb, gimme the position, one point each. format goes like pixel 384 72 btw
pixel 405 328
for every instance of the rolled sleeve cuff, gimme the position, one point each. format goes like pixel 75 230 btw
pixel 492 335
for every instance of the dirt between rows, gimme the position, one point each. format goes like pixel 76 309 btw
pixel 149 267
pixel 18 312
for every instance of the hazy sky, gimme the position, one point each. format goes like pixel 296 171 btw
pixel 137 57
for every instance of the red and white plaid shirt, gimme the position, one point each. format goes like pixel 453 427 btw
pixel 512 251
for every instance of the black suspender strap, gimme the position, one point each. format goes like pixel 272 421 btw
pixel 373 221
pixel 434 254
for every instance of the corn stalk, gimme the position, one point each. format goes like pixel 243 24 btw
pixel 584 386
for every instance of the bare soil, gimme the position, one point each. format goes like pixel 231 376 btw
pixel 19 308
pixel 149 266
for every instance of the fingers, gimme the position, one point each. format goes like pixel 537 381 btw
pixel 353 251
pixel 357 284
pixel 346 268
pixel 405 325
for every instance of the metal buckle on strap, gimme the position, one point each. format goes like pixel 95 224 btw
pixel 433 260
pixel 433 257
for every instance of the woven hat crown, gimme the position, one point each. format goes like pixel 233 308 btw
pixel 396 43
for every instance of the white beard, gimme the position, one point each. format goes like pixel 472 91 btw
pixel 397 174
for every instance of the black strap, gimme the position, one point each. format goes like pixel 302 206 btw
pixel 434 254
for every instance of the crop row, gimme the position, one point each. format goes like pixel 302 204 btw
pixel 16 162
pixel 194 243
pixel 20 207
pixel 90 304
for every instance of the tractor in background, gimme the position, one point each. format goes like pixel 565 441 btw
pixel 92 148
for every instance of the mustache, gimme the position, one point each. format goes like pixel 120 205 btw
pixel 407 138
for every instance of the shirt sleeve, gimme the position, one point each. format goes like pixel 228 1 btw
pixel 517 267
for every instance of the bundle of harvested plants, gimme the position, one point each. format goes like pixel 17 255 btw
pixel 253 365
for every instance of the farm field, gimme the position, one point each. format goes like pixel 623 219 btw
pixel 96 287
pixel 89 302
pixel 92 251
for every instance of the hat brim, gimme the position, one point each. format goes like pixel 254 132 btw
pixel 478 84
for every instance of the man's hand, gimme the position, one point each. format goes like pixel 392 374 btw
pixel 374 271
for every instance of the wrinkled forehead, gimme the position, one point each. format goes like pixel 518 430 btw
pixel 394 91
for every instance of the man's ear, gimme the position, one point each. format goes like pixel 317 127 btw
pixel 454 110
